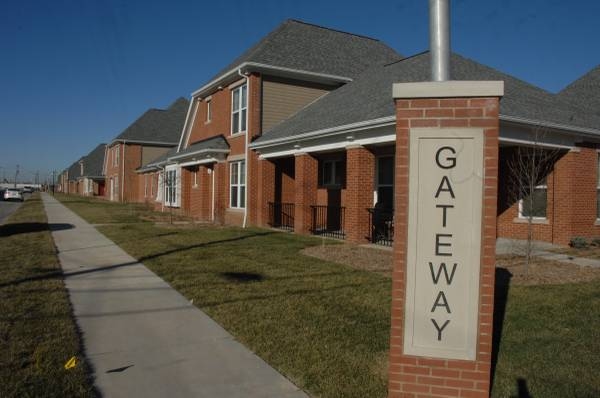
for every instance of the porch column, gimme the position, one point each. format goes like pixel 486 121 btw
pixel 306 183
pixel 222 191
pixel 360 177
pixel 266 190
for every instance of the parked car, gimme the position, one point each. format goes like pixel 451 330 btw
pixel 27 189
pixel 13 194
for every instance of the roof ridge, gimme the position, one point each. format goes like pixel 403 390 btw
pixel 581 78
pixel 332 29
pixel 406 58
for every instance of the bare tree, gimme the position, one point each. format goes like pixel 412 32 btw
pixel 528 168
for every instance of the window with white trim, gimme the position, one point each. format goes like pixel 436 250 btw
pixel 332 173
pixel 385 182
pixel 208 110
pixel 172 186
pixel 115 157
pixel 195 172
pixel 239 109
pixel 145 185
pixel 161 186
pixel 535 205
pixel 237 184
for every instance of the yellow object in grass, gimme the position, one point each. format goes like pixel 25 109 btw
pixel 71 363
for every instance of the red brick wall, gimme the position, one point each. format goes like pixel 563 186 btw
pixel 571 204
pixel 360 178
pixel 508 224
pixel 266 182
pixel 584 181
pixel 411 376
pixel 113 171
pixel 306 170
pixel 220 123
pixel 129 183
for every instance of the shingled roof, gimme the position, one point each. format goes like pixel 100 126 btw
pixel 585 91
pixel 217 143
pixel 302 46
pixel 369 97
pixel 158 125
pixel 94 162
pixel 74 170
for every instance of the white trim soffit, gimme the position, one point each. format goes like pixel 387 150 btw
pixel 383 139
pixel 200 152
pixel 246 66
pixel 348 128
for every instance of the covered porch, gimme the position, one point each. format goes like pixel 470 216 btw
pixel 340 193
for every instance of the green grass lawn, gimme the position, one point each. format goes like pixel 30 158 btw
pixel 326 326
pixel 106 212
pixel 37 331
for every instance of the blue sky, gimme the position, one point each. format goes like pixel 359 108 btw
pixel 74 73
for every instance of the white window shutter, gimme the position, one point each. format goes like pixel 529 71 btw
pixel 161 188
pixel 178 187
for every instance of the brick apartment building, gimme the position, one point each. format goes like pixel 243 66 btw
pixel 84 176
pixel 153 134
pixel 298 133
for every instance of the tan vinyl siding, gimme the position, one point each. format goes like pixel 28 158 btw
pixel 149 153
pixel 283 97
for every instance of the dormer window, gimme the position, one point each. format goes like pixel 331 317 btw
pixel 239 108
pixel 208 111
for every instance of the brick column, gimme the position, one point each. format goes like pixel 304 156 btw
pixel 266 190
pixel 360 181
pixel 221 191
pixel 306 191
pixel 459 106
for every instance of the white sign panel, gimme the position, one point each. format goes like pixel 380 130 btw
pixel 444 240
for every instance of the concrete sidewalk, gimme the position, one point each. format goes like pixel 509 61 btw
pixel 142 338
pixel 542 250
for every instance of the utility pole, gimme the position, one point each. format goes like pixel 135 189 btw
pixel 16 174
pixel 53 174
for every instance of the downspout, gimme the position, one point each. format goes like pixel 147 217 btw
pixel 123 173
pixel 164 187
pixel 212 174
pixel 246 148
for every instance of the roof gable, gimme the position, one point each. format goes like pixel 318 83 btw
pixel 302 46
pixel 158 125
pixel 585 91
pixel 94 162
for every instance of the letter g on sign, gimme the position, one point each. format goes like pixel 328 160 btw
pixel 449 161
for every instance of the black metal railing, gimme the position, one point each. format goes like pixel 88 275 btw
pixel 382 226
pixel 281 215
pixel 328 221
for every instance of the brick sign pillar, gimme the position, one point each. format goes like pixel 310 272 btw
pixel 445 236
